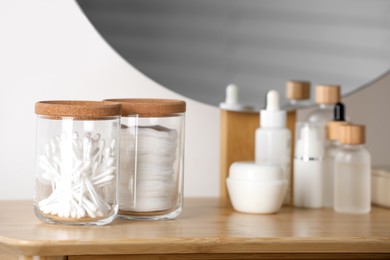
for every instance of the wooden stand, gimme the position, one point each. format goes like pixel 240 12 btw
pixel 238 144
pixel 291 119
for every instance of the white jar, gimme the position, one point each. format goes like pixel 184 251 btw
pixel 77 162
pixel 256 188
pixel 152 158
pixel 352 176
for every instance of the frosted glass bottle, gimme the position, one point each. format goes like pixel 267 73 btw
pixel 352 179
pixel 326 98
pixel 331 148
pixel 328 184
pixel 273 138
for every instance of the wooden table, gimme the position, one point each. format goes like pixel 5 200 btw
pixel 204 230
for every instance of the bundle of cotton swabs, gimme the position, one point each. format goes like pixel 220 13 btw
pixel 82 174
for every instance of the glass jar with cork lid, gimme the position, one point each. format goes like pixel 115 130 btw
pixel 152 157
pixel 77 151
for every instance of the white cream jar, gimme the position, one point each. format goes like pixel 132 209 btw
pixel 256 188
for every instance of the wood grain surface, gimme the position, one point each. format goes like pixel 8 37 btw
pixel 204 227
pixel 237 143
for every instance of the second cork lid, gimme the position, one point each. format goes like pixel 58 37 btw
pixel 352 134
pixel 298 90
pixel 150 107
pixel 327 94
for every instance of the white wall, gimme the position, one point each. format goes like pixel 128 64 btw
pixel 48 50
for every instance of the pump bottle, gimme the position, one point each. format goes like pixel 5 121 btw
pixel 326 98
pixel 309 165
pixel 273 138
pixel 352 174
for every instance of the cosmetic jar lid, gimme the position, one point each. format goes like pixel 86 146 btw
pixel 332 129
pixel 352 134
pixel 77 109
pixel 327 94
pixel 298 90
pixel 150 107
pixel 251 171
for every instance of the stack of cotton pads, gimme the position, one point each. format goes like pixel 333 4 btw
pixel 154 177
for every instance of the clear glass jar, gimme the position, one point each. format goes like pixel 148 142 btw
pixel 151 185
pixel 77 152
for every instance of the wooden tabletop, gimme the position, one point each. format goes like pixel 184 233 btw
pixel 203 227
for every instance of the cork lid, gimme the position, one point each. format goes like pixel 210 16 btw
pixel 79 110
pixel 150 107
pixel 332 129
pixel 298 90
pixel 327 94
pixel 352 134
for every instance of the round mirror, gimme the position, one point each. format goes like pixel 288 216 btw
pixel 197 47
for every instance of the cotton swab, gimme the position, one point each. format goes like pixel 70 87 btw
pixel 80 170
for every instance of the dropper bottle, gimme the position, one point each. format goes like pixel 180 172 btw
pixel 352 175
pixel 332 134
pixel 273 138
pixel 326 98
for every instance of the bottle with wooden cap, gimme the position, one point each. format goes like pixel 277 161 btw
pixel 352 176
pixel 77 162
pixel 326 98
pixel 332 145
pixel 151 182
pixel 297 94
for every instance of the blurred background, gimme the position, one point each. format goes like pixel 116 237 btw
pixel 196 48
pixel 50 50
